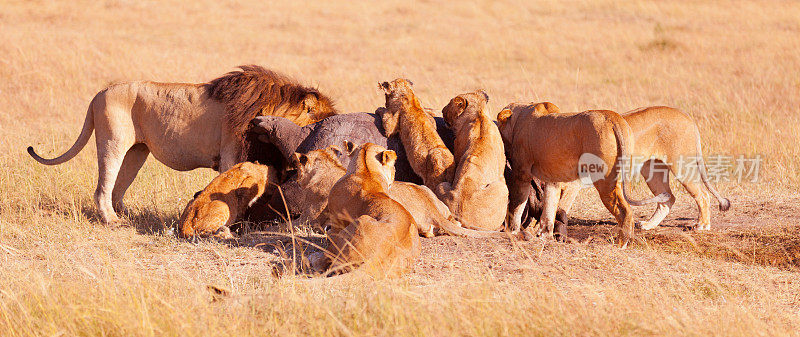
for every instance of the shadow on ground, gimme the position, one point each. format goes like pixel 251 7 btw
pixel 291 245
pixel 768 246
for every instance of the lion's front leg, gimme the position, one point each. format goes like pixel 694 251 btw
pixel 518 191
pixel 230 153
pixel 550 197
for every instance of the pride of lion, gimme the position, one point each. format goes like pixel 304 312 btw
pixel 529 159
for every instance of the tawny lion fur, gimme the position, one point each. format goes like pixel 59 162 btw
pixel 426 152
pixel 318 171
pixel 368 228
pixel 541 142
pixel 224 200
pixel 184 126
pixel 478 191
pixel 666 136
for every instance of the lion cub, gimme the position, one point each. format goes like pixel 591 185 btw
pixel 224 200
pixel 368 228
pixel 478 194
pixel 318 171
pixel 426 152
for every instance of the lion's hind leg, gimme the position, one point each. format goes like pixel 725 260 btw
pixel 367 243
pixel 113 142
pixel 701 197
pixel 208 219
pixel 447 194
pixel 612 196
pixel 485 208
pixel 494 197
pixel 656 173
pixel 131 164
pixel 343 254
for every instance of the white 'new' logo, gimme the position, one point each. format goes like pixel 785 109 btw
pixel 591 168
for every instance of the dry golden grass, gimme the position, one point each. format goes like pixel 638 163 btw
pixel 731 64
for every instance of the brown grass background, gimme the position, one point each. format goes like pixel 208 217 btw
pixel 733 65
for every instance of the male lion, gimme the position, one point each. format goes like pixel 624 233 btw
pixel 367 226
pixel 224 200
pixel 665 136
pixel 319 170
pixel 478 194
pixel 427 153
pixel 184 126
pixel 550 146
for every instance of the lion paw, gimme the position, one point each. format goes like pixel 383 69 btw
pixel 224 233
pixel 646 225
pixel 528 234
pixel 319 262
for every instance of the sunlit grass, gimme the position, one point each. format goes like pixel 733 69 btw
pixel 731 65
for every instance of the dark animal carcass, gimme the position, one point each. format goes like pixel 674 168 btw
pixel 275 139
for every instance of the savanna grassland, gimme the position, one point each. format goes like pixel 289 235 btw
pixel 733 65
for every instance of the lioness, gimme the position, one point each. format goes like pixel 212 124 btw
pixel 224 200
pixel 427 153
pixel 666 136
pixel 367 226
pixel 478 194
pixel 318 171
pixel 536 146
pixel 185 126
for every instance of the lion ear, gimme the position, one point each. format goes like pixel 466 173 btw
pixel 503 115
pixel 310 99
pixel 551 108
pixel 387 157
pixel 409 82
pixel 349 147
pixel 460 103
pixel 386 87
pixel 336 150
pixel 301 158
pixel 485 95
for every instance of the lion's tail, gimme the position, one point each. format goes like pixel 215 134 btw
pixel 86 133
pixel 453 227
pixel 624 154
pixel 724 203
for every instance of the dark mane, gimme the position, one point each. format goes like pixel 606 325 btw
pixel 254 91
